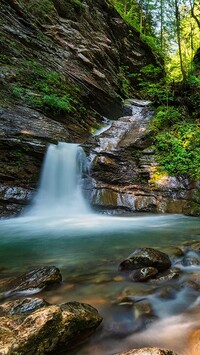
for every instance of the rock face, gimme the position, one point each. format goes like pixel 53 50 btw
pixel 32 326
pixel 146 257
pixel 24 136
pixel 124 169
pixel 83 45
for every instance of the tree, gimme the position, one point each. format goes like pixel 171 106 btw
pixel 178 33
pixel 171 25
pixel 195 7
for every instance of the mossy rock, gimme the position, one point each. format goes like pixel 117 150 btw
pixel 34 327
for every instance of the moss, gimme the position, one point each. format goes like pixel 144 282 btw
pixel 157 177
pixel 192 208
pixel 46 89
pixel 41 9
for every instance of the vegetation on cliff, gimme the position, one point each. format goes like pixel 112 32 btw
pixel 46 89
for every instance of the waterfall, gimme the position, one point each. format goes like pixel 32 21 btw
pixel 60 192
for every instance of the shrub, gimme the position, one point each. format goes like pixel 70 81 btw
pixel 178 149
pixel 45 89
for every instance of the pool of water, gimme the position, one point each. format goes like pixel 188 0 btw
pixel 88 249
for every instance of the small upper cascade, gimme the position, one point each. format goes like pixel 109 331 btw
pixel 126 129
pixel 60 189
pixel 106 125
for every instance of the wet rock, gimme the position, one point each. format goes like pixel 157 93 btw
pixel 148 351
pixel 143 307
pixel 193 344
pixel 144 314
pixel 174 252
pixel 143 274
pixel 196 277
pixel 167 276
pixel 22 306
pixel 193 281
pixel 190 261
pixel 193 245
pixel 32 282
pixel 124 169
pixel 167 292
pixel 145 257
pixel 191 284
pixel 32 326
pixel 25 134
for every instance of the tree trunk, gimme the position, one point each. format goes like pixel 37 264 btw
pixel 178 32
pixel 192 5
pixel 161 24
pixel 125 7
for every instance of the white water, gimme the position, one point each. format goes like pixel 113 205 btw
pixel 60 192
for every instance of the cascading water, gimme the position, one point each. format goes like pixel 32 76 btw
pixel 60 192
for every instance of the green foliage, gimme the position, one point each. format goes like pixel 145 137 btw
pixel 177 143
pixel 170 28
pixel 152 41
pixel 193 80
pixel 124 81
pixel 165 118
pixel 45 89
pixel 151 71
pixel 152 85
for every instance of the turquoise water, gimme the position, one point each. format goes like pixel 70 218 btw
pixel 88 250
pixel 28 241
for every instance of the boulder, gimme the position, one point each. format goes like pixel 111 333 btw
pixel 143 274
pixel 34 327
pixel 146 257
pixel 148 351
pixel 32 282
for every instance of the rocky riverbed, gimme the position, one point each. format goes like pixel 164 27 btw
pixel 27 323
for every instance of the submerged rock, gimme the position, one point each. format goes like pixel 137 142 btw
pixel 32 282
pixel 167 276
pixel 193 245
pixel 34 327
pixel 145 257
pixel 190 261
pixel 147 351
pixel 193 282
pixel 143 310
